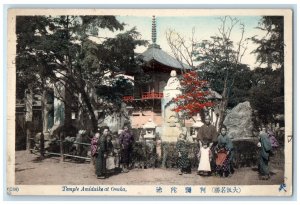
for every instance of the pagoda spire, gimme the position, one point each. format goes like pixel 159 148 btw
pixel 153 30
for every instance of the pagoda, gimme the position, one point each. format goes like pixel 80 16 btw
pixel 145 101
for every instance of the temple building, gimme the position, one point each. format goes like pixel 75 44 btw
pixel 145 101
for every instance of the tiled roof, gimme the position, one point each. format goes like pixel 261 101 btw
pixel 154 52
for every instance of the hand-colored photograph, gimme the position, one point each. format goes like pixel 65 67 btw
pixel 106 102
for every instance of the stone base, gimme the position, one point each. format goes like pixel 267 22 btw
pixel 170 134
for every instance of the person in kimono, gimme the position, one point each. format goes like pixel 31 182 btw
pixel 126 141
pixel 183 160
pixel 102 154
pixel 94 147
pixel 265 148
pixel 205 156
pixel 224 154
pixel 272 138
pixel 207 133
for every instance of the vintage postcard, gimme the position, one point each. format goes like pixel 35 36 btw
pixel 149 102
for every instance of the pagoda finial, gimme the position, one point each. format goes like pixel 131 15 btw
pixel 153 30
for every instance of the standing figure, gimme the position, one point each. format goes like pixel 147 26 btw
pixel 264 154
pixel 207 134
pixel 102 154
pixel 183 160
pixel 224 153
pixel 272 138
pixel 94 147
pixel 126 140
pixel 205 156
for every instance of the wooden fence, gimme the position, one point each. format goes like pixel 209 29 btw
pixel 39 148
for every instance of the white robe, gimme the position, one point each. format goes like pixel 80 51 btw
pixel 110 162
pixel 204 164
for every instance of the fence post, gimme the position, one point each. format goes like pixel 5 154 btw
pixel 61 147
pixel 42 145
pixel 28 137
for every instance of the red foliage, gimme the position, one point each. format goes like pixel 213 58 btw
pixel 194 97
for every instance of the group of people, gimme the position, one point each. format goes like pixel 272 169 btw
pixel 105 153
pixel 216 152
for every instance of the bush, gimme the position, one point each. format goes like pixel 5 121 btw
pixel 245 153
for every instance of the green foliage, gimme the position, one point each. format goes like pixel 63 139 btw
pixel 219 67
pixel 60 49
pixel 265 88
pixel 220 62
pixel 114 92
pixel 268 84
pixel 270 48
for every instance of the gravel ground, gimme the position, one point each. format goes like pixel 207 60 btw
pixel 51 171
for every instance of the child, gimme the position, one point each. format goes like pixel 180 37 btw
pixel 183 160
pixel 94 147
pixel 205 158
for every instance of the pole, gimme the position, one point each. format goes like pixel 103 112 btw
pixel 42 145
pixel 28 136
pixel 61 147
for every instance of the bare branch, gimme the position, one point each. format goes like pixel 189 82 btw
pixel 181 49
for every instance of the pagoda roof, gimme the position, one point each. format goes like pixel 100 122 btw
pixel 154 52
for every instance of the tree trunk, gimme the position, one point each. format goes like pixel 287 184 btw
pixel 90 110
pixel 44 111
pixel 223 105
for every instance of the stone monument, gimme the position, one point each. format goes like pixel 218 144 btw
pixel 239 121
pixel 171 127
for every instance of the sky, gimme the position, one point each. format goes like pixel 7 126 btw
pixel 205 26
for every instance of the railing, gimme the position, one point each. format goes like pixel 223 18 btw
pixel 152 95
pixel 145 96
pixel 128 98
pixel 63 149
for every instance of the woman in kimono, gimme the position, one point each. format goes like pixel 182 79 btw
pixel 183 160
pixel 102 154
pixel 265 147
pixel 224 154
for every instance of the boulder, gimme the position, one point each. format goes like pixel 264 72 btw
pixel 239 121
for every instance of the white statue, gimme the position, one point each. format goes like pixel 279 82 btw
pixel 173 82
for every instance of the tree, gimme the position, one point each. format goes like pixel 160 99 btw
pixel 270 50
pixel 267 91
pixel 195 97
pixel 263 92
pixel 62 52
pixel 220 61
pixel 182 49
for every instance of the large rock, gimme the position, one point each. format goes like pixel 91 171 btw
pixel 239 121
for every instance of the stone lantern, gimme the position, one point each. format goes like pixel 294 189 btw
pixel 149 128
pixel 196 126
